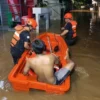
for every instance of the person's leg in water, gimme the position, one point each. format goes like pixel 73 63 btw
pixel 71 42
pixel 74 40
pixel 15 59
pixel 15 56
pixel 63 73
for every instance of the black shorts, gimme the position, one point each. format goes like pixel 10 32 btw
pixel 61 75
pixel 16 54
pixel 71 41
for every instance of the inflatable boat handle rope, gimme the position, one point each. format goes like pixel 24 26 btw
pixel 49 44
pixel 51 51
pixel 48 38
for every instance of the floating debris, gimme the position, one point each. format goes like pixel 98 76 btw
pixel 2 85
pixel 4 98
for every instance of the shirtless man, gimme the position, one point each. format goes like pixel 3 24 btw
pixel 43 65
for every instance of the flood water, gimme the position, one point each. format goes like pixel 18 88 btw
pixel 85 81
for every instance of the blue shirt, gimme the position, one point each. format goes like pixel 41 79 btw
pixel 68 27
pixel 24 37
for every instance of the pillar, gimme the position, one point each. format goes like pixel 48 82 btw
pixel 99 9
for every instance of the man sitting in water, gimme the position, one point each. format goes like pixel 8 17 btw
pixel 43 65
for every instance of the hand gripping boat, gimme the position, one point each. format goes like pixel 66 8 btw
pixel 19 82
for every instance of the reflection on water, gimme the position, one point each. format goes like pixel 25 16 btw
pixel 85 81
pixel 93 22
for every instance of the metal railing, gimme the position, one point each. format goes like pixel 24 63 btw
pixel 3 15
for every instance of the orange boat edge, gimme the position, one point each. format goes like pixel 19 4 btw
pixel 24 83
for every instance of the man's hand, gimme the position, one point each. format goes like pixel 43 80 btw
pixel 30 52
pixel 27 67
pixel 57 60
pixel 24 73
pixel 64 32
pixel 67 54
pixel 26 45
pixel 62 28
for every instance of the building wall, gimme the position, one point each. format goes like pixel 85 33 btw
pixel 53 4
pixel 55 9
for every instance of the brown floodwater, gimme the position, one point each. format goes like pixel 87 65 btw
pixel 85 81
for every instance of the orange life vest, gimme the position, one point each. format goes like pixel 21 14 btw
pixel 74 26
pixel 15 39
pixel 16 36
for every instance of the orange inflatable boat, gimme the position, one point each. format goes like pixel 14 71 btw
pixel 57 45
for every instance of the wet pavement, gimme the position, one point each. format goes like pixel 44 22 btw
pixel 85 81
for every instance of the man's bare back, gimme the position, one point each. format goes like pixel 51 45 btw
pixel 43 66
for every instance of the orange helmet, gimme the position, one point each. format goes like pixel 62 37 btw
pixel 68 16
pixel 32 22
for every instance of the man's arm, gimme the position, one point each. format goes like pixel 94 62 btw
pixel 25 36
pixel 26 45
pixel 64 32
pixel 62 28
pixel 57 60
pixel 26 68
pixel 67 54
pixel 67 28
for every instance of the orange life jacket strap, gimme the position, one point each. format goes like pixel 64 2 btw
pixel 15 39
pixel 12 44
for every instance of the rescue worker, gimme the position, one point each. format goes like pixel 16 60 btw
pixel 21 39
pixel 69 30
pixel 43 64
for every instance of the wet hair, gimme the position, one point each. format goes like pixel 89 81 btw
pixel 38 46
